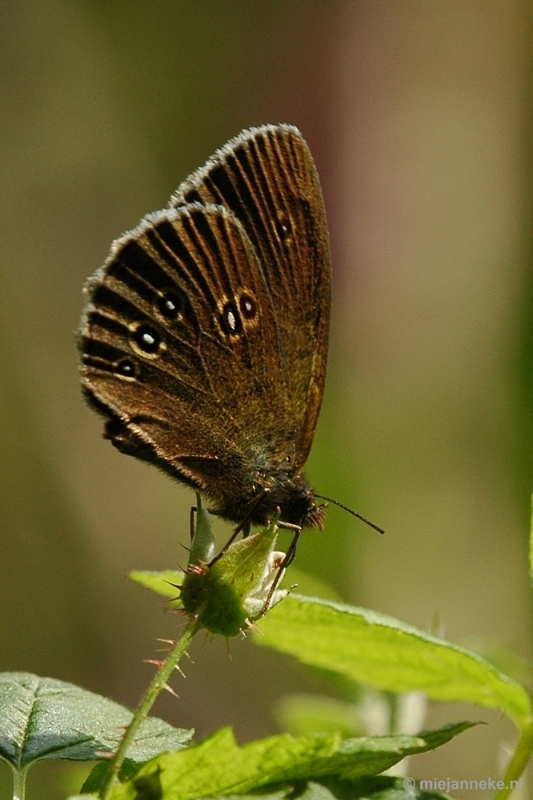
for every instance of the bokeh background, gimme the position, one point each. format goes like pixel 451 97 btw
pixel 418 115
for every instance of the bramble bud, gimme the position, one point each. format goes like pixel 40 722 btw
pixel 227 593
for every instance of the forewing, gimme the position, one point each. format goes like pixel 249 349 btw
pixel 180 350
pixel 267 178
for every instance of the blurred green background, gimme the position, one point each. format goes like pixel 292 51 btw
pixel 418 115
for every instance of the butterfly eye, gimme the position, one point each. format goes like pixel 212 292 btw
pixel 147 340
pixel 170 304
pixel 126 368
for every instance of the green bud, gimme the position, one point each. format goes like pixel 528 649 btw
pixel 228 593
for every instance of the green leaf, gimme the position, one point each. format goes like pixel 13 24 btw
pixel 380 787
pixel 303 714
pixel 218 766
pixel 382 652
pixel 266 794
pixel 310 585
pixel 166 583
pixel 94 780
pixel 46 718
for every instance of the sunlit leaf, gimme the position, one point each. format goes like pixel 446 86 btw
pixel 388 654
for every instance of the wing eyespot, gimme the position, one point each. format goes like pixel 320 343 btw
pixel 146 340
pixel 235 316
pixel 127 368
pixel 230 320
pixel 284 227
pixel 248 306
pixel 169 305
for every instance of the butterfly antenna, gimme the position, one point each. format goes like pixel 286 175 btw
pixel 350 511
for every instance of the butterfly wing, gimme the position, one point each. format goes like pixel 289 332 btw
pixel 204 341
pixel 180 351
pixel 267 178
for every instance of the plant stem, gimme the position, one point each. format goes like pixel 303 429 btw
pixel 158 683
pixel 19 783
pixel 518 762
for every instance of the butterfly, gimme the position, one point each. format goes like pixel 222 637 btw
pixel 204 340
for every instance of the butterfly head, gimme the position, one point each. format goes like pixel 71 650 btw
pixel 298 505
pixel 292 496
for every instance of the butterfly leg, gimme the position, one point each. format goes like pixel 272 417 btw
pixel 245 525
pixel 238 529
pixel 291 551
pixel 288 559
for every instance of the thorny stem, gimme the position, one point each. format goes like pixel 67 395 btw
pixel 158 683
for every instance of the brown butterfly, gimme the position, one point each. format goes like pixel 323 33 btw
pixel 204 342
